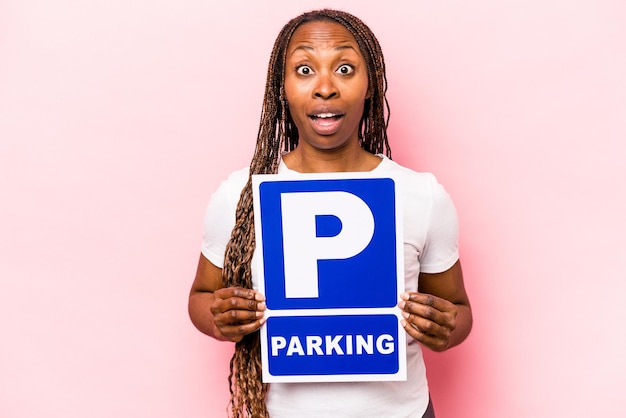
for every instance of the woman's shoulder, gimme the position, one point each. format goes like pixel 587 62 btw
pixel 237 178
pixel 407 174
pixel 417 185
pixel 231 186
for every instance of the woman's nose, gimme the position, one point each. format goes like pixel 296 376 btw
pixel 325 87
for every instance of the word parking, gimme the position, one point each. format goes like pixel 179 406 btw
pixel 332 344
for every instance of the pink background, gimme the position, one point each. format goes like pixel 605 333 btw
pixel 118 119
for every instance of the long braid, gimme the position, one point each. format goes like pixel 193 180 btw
pixel 278 132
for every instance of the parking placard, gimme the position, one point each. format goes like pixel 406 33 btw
pixel 330 263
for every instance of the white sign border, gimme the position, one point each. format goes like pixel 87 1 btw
pixel 258 272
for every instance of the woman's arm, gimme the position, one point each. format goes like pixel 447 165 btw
pixel 439 315
pixel 226 314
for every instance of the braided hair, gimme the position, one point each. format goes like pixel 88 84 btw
pixel 278 132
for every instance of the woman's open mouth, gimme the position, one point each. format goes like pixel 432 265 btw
pixel 325 123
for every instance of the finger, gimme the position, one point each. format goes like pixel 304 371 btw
pixel 237 332
pixel 239 292
pixel 429 341
pixel 427 326
pixel 236 317
pixel 429 313
pixel 237 304
pixel 428 300
pixel 245 304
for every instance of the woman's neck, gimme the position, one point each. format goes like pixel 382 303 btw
pixel 304 160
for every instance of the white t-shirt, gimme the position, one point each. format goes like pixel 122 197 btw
pixel 430 246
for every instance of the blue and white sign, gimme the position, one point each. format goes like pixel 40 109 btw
pixel 330 263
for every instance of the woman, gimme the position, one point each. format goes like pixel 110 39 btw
pixel 325 111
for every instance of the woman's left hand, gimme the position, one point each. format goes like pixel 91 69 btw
pixel 429 319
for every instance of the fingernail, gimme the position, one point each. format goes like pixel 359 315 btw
pixel 260 306
pixel 401 304
pixel 405 315
pixel 404 295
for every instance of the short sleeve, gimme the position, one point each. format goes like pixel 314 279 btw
pixel 441 249
pixel 219 217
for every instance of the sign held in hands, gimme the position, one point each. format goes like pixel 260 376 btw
pixel 330 263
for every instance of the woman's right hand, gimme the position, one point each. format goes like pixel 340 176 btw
pixel 237 312
pixel 224 313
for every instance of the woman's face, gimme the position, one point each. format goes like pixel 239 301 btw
pixel 326 84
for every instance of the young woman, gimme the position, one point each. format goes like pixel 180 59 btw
pixel 325 111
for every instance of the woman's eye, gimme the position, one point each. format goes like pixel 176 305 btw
pixel 304 70
pixel 345 69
